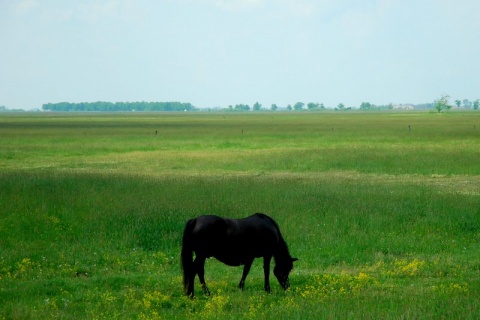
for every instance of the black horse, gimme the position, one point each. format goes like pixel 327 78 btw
pixel 234 242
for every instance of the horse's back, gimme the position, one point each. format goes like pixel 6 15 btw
pixel 234 240
pixel 209 224
pixel 257 224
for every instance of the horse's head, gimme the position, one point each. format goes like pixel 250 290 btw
pixel 282 270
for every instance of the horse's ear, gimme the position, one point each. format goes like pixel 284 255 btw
pixel 294 259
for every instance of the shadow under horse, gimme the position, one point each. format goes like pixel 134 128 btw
pixel 234 242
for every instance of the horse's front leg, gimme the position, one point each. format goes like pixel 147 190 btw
pixel 200 269
pixel 246 270
pixel 266 271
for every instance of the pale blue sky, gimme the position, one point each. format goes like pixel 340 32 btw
pixel 220 52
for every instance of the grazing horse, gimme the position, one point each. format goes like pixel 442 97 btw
pixel 234 242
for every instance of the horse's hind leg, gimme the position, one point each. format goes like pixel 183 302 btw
pixel 246 270
pixel 200 269
pixel 266 271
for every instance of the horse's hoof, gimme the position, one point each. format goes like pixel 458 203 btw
pixel 206 291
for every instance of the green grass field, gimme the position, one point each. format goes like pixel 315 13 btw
pixel 382 209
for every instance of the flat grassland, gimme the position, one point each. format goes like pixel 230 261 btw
pixel 382 209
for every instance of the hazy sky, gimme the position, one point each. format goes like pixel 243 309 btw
pixel 221 52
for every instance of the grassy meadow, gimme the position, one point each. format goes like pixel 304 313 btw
pixel 382 209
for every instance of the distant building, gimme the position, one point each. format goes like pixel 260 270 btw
pixel 403 107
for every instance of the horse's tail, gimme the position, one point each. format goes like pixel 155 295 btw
pixel 187 259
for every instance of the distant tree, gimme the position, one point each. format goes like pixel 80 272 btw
pixel 257 106
pixel 475 104
pixel 313 106
pixel 274 107
pixel 467 104
pixel 341 106
pixel 366 106
pixel 322 106
pixel 442 103
pixel 242 107
pixel 298 106
pixel 289 107
pixel 3 108
pixel 458 103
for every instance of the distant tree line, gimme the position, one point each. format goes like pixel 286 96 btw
pixel 365 106
pixel 5 109
pixel 118 106
pixel 238 107
pixel 441 105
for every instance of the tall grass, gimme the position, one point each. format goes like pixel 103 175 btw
pixel 92 211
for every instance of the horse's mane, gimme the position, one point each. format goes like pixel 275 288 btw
pixel 282 245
